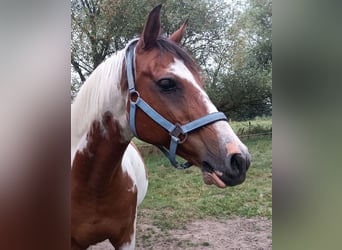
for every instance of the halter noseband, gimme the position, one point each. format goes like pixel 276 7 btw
pixel 175 130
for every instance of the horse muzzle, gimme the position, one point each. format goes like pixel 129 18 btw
pixel 231 172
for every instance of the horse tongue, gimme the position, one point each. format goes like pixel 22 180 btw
pixel 217 181
pixel 212 178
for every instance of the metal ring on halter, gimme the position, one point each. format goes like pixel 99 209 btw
pixel 177 132
pixel 134 96
pixel 182 140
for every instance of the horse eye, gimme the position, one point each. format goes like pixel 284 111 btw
pixel 167 84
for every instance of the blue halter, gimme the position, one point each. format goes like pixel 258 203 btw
pixel 175 130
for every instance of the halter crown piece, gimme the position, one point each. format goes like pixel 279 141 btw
pixel 175 130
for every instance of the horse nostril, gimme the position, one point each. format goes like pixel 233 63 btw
pixel 238 162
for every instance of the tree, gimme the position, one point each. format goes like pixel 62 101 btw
pixel 98 30
pixel 244 89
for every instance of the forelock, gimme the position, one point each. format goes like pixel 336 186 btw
pixel 173 48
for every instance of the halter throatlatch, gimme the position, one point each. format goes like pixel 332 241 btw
pixel 177 132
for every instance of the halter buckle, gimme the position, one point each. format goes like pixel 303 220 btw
pixel 178 132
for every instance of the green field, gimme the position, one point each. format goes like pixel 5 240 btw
pixel 253 128
pixel 176 196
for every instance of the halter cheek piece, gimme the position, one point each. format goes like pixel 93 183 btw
pixel 175 130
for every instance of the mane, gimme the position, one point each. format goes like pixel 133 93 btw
pixel 99 93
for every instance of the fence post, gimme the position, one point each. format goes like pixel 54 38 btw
pixel 249 129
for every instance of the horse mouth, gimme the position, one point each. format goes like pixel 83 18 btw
pixel 211 176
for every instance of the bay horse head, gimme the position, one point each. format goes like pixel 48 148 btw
pixel 167 106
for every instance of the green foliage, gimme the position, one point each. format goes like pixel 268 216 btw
pixel 100 28
pixel 260 25
pixel 244 91
pixel 175 196
pixel 243 94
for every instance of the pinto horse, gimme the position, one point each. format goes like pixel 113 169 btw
pixel 152 89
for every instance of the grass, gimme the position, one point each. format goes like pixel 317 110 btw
pixel 175 197
pixel 248 129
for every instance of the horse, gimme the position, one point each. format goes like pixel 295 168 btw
pixel 152 89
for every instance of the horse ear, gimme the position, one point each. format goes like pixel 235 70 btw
pixel 151 30
pixel 179 34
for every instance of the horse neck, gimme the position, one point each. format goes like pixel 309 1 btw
pixel 102 92
pixel 99 162
pixel 100 130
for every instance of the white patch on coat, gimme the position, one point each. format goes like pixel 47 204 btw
pixel 133 164
pixel 131 245
pixel 179 69
pixel 80 147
